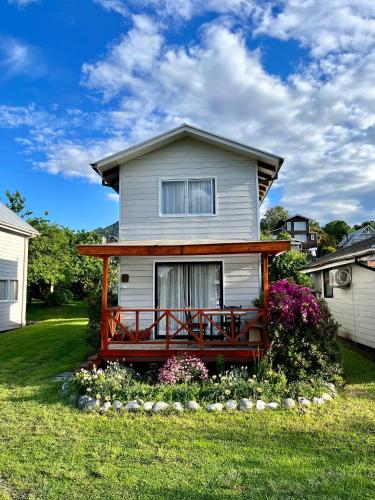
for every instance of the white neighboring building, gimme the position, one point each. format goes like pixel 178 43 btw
pixel 352 304
pixel 14 242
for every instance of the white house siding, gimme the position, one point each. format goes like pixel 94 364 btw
pixel 236 187
pixel 13 255
pixel 240 281
pixel 354 307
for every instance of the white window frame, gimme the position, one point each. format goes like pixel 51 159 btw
pixel 186 180
pixel 8 280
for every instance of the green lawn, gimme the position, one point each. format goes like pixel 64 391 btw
pixel 48 450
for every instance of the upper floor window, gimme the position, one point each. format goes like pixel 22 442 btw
pixel 188 197
pixel 8 290
pixel 300 226
pixel 288 226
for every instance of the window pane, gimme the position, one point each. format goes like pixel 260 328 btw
pixel 173 197
pixel 300 226
pixel 288 226
pixel 301 237
pixel 3 290
pixel 328 290
pixel 200 196
pixel 13 290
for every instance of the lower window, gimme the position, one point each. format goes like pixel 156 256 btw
pixel 9 290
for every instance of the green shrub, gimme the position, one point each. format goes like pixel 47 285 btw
pixel 58 298
pixel 307 351
pixel 94 325
pixel 287 266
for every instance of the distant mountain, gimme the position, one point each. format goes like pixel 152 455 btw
pixel 110 233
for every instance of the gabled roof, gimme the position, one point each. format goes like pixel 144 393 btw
pixel 268 163
pixel 12 222
pixel 359 249
pixel 361 234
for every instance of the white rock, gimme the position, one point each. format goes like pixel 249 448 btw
pixel 326 396
pixel 331 387
pixel 231 404
pixel 260 405
pixel 105 407
pixel 82 401
pixel 132 406
pixel 289 403
pixel 148 405
pixel 117 405
pixel 65 389
pixel 160 406
pixel 245 404
pixel 215 407
pixel 177 406
pixel 318 401
pixel 193 406
pixel 273 406
pixel 304 401
pixel 92 405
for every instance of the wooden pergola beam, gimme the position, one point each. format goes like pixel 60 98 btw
pixel 117 250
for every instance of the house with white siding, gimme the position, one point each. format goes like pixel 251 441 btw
pixel 14 242
pixel 346 280
pixel 190 256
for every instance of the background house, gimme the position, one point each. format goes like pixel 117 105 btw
pixel 346 280
pixel 14 240
pixel 299 228
pixel 361 234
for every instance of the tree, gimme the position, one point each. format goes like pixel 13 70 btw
pixel 337 228
pixel 272 217
pixel 287 266
pixel 17 203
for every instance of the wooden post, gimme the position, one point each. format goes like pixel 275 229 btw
pixel 104 303
pixel 266 297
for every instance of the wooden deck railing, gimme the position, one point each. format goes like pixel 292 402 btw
pixel 181 326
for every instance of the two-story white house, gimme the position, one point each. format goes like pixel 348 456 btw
pixel 189 248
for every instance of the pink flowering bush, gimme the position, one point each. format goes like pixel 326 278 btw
pixel 303 333
pixel 292 305
pixel 182 369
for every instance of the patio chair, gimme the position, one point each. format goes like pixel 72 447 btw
pixel 227 320
pixel 194 326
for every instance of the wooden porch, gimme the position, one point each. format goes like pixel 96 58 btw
pixel 236 334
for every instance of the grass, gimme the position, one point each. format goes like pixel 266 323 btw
pixel 48 450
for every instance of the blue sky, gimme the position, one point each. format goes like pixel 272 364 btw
pixel 80 80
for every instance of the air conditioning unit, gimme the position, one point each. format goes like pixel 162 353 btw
pixel 340 277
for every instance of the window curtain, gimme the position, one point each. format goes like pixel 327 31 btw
pixel 3 290
pixel 13 290
pixel 173 197
pixel 182 285
pixel 200 197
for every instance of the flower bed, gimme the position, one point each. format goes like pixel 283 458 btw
pixel 184 383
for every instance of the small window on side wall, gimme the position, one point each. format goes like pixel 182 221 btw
pixel 328 290
pixel 8 290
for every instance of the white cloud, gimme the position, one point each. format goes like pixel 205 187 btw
pixel 22 3
pixel 114 5
pixel 113 197
pixel 18 58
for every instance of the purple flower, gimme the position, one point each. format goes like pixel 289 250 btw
pixel 292 304
pixel 180 369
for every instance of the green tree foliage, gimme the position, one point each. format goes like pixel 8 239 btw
pixel 288 265
pixel 17 203
pixel 337 229
pixel 272 217
pixel 283 235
